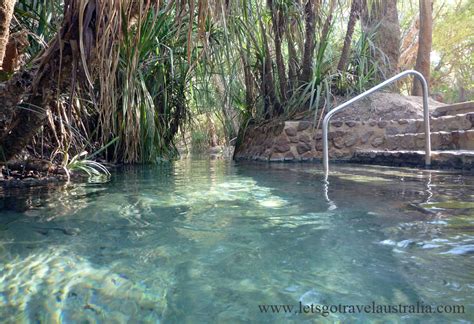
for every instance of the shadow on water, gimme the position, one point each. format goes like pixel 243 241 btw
pixel 209 240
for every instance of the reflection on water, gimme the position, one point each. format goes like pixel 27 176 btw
pixel 208 241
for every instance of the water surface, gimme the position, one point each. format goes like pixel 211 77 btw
pixel 204 241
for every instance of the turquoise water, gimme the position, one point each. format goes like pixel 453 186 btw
pixel 208 241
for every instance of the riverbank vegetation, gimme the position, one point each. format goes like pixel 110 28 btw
pixel 124 81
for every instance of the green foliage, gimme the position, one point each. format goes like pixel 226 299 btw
pixel 453 44
pixel 80 163
pixel 452 56
pixel 152 75
pixel 363 69
pixel 251 40
pixel 239 62
pixel 40 19
pixel 199 140
pixel 140 97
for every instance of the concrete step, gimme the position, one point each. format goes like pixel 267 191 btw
pixel 454 109
pixel 444 123
pixel 452 140
pixel 457 159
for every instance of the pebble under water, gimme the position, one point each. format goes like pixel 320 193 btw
pixel 208 241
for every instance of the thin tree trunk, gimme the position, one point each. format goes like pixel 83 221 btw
pixel 310 43
pixel 248 83
pixel 409 46
pixel 273 107
pixel 353 18
pixel 462 94
pixel 278 29
pixel 328 22
pixel 424 45
pixel 6 13
pixel 292 62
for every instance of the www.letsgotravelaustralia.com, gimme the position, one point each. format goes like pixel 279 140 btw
pixel 373 308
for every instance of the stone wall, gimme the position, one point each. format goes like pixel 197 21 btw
pixel 399 126
pixel 299 141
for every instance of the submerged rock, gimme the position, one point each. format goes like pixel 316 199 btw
pixel 430 246
pixel 461 250
pixel 66 231
pixel 388 242
pixel 405 243
pixel 438 222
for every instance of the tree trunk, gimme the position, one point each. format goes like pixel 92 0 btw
pixel 272 104
pixel 292 62
pixel 6 14
pixel 409 46
pixel 24 127
pixel 56 70
pixel 383 21
pixel 353 17
pixel 248 83
pixel 424 45
pixel 310 43
pixel 12 92
pixel 17 44
pixel 328 22
pixel 278 30
pixel 41 96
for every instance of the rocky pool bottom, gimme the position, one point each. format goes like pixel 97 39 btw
pixel 202 241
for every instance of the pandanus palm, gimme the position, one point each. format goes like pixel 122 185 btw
pixel 133 62
pixel 84 58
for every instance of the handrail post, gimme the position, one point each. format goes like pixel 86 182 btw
pixel 426 115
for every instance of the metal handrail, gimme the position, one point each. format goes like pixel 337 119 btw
pixel 399 76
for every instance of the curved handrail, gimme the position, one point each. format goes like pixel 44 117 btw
pixel 426 114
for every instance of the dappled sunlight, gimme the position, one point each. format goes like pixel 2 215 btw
pixel 56 286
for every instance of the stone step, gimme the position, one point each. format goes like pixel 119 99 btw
pixel 454 109
pixel 444 123
pixel 453 140
pixel 457 159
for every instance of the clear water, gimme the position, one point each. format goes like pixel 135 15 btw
pixel 209 241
